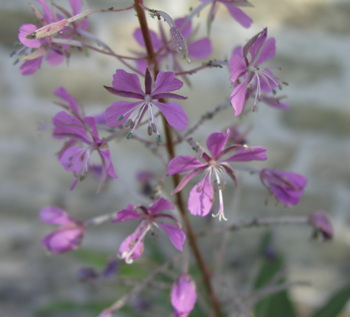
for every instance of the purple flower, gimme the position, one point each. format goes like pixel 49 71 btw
pixel 286 187
pixel 69 234
pixel 183 295
pixel 132 247
pixel 35 50
pixel 202 194
pixel 82 140
pixel 322 226
pixel 248 77
pixel 131 113
pixel 166 50
pixel 232 7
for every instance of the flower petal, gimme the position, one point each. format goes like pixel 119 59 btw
pixel 183 163
pixel 216 143
pixel 62 93
pixel 130 213
pixel 25 30
pixel 30 67
pixel 238 97
pixel 237 66
pixel 200 49
pixel 159 205
pixel 165 82
pixel 54 215
pixel 119 109
pixel 176 235
pixel 201 198
pixel 239 16
pixel 268 51
pixel 174 114
pixel 252 153
pixel 127 82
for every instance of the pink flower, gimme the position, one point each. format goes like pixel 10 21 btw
pixel 248 77
pixel 55 53
pixel 132 247
pixel 82 140
pixel 234 11
pixel 202 194
pixel 131 113
pixel 183 295
pixel 322 226
pixel 69 234
pixel 286 187
pixel 166 50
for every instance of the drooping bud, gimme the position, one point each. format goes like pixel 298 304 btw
pixel 322 226
pixel 183 295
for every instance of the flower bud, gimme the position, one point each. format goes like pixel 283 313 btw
pixel 322 226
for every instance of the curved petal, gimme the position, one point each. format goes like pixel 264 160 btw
pixel 127 82
pixel 176 235
pixel 76 6
pixel 63 240
pixel 62 93
pixel 201 198
pixel 54 215
pixel 239 16
pixel 130 213
pixel 186 179
pixel 159 205
pixel 237 66
pixel 157 44
pixel 30 67
pixel 48 14
pixel 25 30
pixel 252 153
pixel 200 49
pixel 75 159
pixel 183 163
pixel 174 114
pixel 186 29
pixel 268 51
pixel 119 109
pixel 216 143
pixel 238 97
pixel 165 82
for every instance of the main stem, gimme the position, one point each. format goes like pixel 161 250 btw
pixel 171 152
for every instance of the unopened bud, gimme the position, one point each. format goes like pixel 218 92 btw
pixel 48 30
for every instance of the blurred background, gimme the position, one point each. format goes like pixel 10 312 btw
pixel 312 138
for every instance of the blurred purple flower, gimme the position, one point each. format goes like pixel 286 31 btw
pixel 248 77
pixel 69 234
pixel 183 295
pixel 132 247
pixel 322 226
pixel 232 7
pixel 202 194
pixel 55 53
pixel 131 113
pixel 285 186
pixel 166 50
pixel 80 130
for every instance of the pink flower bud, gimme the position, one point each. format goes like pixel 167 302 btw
pixel 183 295
pixel 322 226
pixel 48 30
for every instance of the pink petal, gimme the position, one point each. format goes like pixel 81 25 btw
pixel 76 6
pixel 118 109
pixel 127 82
pixel 183 163
pixel 268 51
pixel 63 240
pixel 55 58
pixel 176 235
pixel 62 93
pixel 54 215
pixel 48 14
pixel 165 82
pixel 132 247
pixel 186 179
pixel 157 44
pixel 75 159
pixel 237 67
pixel 130 213
pixel 30 67
pixel 216 143
pixel 185 28
pixel 25 30
pixel 201 198
pixel 252 153
pixel 238 98
pixel 200 49
pixel 159 205
pixel 239 16
pixel 174 114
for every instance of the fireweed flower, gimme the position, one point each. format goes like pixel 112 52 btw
pixel 322 226
pixel 69 234
pixel 232 7
pixel 183 295
pixel 166 51
pixel 285 186
pixel 35 50
pixel 248 77
pixel 131 113
pixel 149 217
pixel 81 141
pixel 212 167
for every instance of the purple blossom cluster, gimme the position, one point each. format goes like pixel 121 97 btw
pixel 159 63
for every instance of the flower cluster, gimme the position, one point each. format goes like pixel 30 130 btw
pixel 55 51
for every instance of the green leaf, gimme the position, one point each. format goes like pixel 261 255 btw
pixel 335 304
